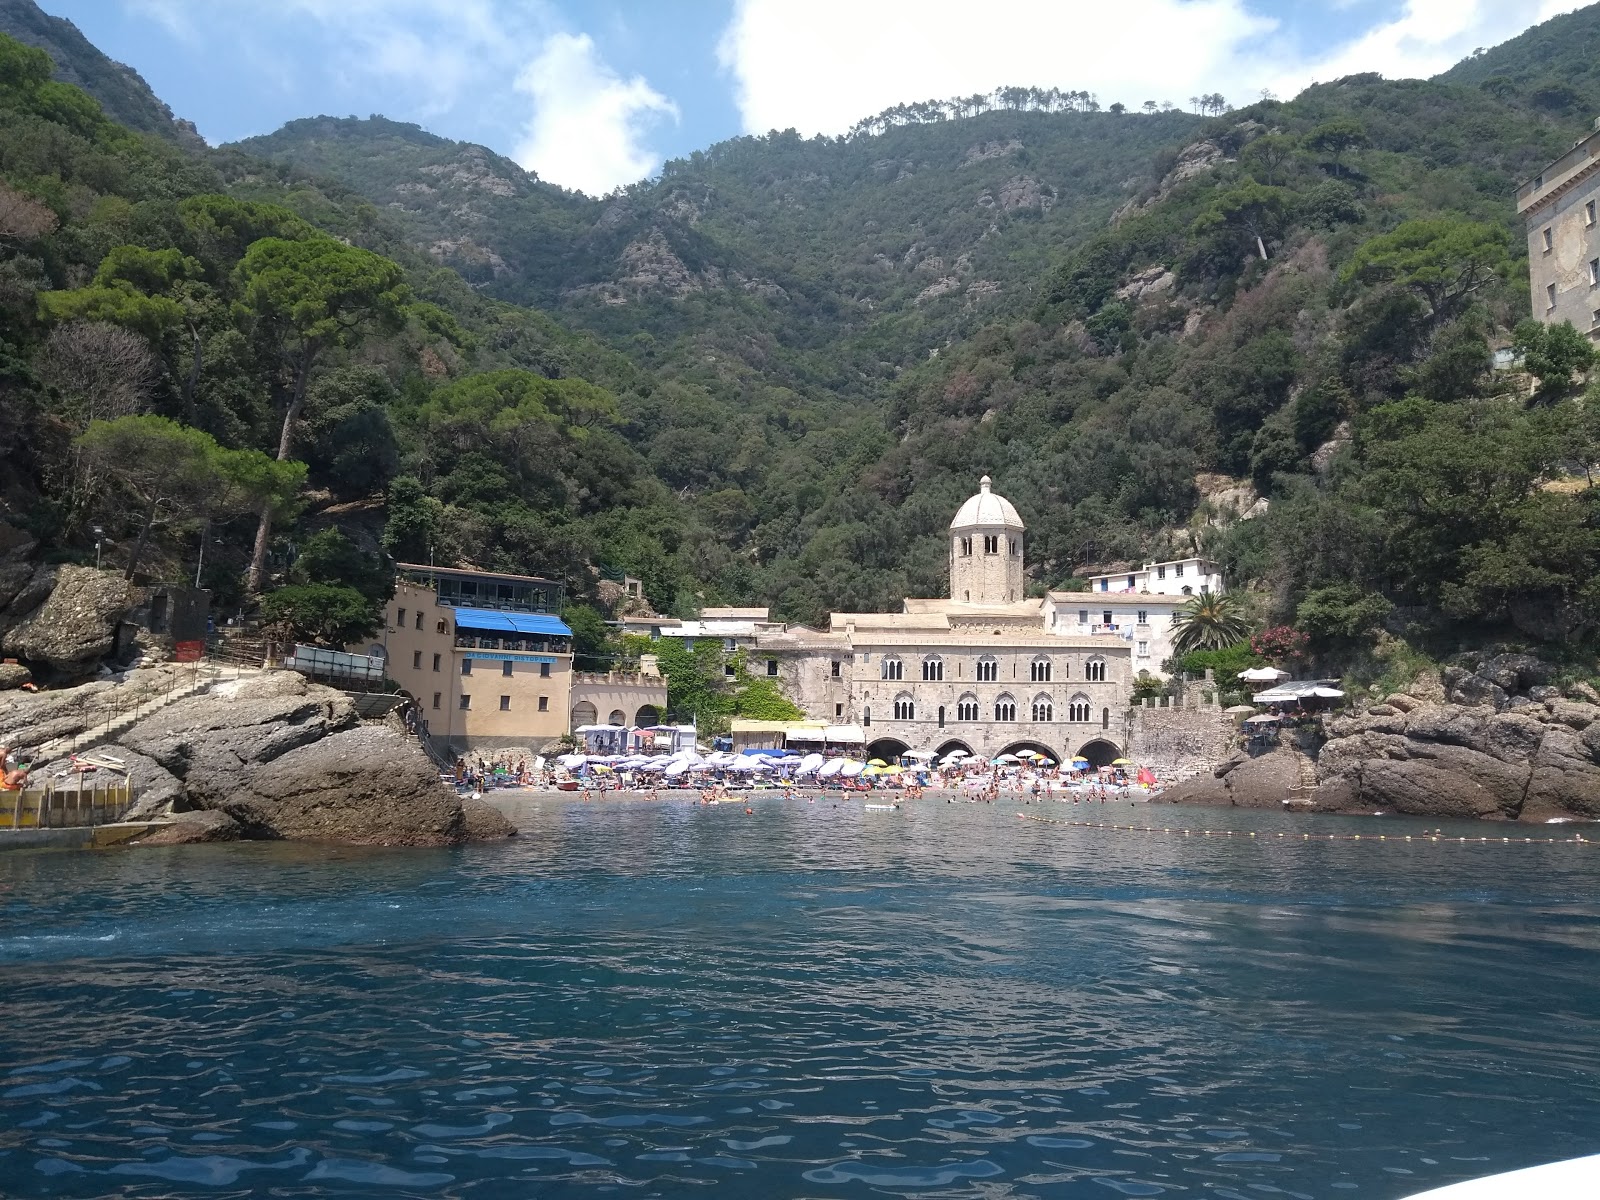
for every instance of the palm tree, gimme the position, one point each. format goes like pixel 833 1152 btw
pixel 1207 622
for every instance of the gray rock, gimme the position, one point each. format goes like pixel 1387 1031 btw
pixel 1526 671
pixel 1583 691
pixel 1543 691
pixel 13 676
pixel 192 827
pixel 1572 713
pixel 1476 690
pixel 30 593
pixel 362 786
pixel 1403 702
pixel 1264 781
pixel 156 791
pixel 77 623
pixel 1383 710
pixel 482 822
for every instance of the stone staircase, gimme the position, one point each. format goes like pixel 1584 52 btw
pixel 1307 770
pixel 120 720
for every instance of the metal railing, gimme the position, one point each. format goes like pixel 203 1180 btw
pixel 84 801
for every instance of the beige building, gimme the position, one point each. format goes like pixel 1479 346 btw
pixel 1561 206
pixel 489 662
pixel 985 670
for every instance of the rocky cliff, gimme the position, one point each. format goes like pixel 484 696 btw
pixel 1489 736
pixel 270 756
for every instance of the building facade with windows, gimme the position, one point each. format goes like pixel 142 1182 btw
pixel 985 670
pixel 497 673
pixel 1136 606
pixel 1561 206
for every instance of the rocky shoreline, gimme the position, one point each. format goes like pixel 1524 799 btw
pixel 266 756
pixel 1489 737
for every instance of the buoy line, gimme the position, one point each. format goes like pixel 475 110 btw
pixel 1576 839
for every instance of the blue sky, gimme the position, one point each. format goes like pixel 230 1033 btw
pixel 596 94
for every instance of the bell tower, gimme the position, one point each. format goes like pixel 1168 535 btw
pixel 986 550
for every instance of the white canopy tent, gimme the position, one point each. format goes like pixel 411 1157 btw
pixel 1263 675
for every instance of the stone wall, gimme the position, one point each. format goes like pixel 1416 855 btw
pixel 1179 740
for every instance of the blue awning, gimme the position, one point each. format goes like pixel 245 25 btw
pixel 494 621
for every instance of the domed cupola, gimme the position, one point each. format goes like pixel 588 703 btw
pixel 986 550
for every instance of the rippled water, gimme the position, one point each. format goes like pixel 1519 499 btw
pixel 661 999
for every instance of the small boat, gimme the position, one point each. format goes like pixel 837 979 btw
pixel 1573 1179
pixel 567 785
pixel 882 806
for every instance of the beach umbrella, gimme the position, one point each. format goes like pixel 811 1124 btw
pixel 957 753
pixel 877 762
pixel 810 763
pixel 830 768
pixel 852 768
pixel 1121 762
pixel 1047 762
pixel 919 755
pixel 1029 754
pixel 1005 758
pixel 1263 675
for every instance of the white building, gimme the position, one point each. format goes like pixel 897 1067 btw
pixel 1136 606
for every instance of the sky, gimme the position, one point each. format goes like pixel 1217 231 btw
pixel 596 94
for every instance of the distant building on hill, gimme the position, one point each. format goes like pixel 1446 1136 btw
pixel 986 670
pixel 1560 206
pixel 489 662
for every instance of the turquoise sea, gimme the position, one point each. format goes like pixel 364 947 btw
pixel 659 999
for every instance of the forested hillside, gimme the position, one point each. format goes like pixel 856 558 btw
pixel 772 374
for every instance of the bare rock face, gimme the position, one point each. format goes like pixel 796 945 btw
pixel 191 827
pixel 76 624
pixel 285 758
pixel 14 675
pixel 1264 781
pixel 481 822
pixel 1530 762
pixel 361 786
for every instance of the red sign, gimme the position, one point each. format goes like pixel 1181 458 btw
pixel 189 651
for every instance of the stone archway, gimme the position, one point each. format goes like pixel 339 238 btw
pixel 887 748
pixel 1017 747
pixel 953 744
pixel 1099 752
pixel 584 713
pixel 647 716
pixel 617 717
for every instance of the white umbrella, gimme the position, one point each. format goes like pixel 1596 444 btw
pixel 956 754
pixel 1327 693
pixel 830 768
pixel 676 768
pixel 810 764
pixel 571 760
pixel 852 768
pixel 1263 675
pixel 919 755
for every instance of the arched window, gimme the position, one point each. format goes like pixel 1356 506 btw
pixel 1041 670
pixel 1043 709
pixel 1078 708
pixel 866 715
pixel 1005 708
pixel 988 669
pixel 892 668
pixel 617 717
pixel 1095 670
pixel 933 668
pixel 967 708
pixel 904 708
pixel 1105 718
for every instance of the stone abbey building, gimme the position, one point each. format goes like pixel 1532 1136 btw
pixel 985 670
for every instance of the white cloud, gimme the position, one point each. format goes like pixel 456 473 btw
pixel 448 62
pixel 588 123
pixel 821 66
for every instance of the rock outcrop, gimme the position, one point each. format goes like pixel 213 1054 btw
pixel 1243 781
pixel 1530 762
pixel 76 624
pixel 276 755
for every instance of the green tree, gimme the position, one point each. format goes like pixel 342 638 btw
pixel 323 614
pixel 1208 621
pixel 308 296
pixel 174 471
pixel 1336 138
pixel 1341 612
pixel 412 531
pixel 592 645
pixel 1553 353
pixel 1444 261
pixel 328 556
pixel 1249 208
pixel 1270 153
